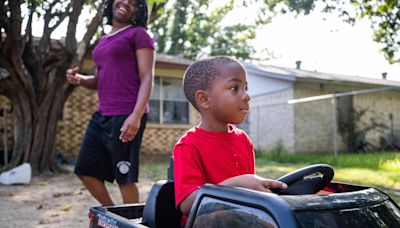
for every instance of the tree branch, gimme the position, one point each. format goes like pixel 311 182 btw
pixel 3 23
pixel 31 58
pixel 91 30
pixel 12 42
pixel 44 42
pixel 70 40
pixel 14 32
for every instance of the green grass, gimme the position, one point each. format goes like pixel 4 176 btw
pixel 154 167
pixel 379 170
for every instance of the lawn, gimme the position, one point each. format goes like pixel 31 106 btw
pixel 380 170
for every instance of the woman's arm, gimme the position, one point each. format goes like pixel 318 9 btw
pixel 145 60
pixel 87 81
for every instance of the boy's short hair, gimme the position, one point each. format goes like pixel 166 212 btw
pixel 200 74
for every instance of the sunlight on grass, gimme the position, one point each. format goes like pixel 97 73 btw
pixel 273 171
pixel 392 165
pixel 368 177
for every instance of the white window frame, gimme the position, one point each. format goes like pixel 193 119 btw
pixel 161 100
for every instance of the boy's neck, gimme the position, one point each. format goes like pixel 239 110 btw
pixel 215 127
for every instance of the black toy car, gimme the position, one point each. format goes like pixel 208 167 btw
pixel 340 205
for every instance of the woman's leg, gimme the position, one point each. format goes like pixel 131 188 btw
pixel 98 190
pixel 129 192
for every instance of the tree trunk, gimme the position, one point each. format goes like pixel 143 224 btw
pixel 35 127
pixel 32 75
pixel 22 129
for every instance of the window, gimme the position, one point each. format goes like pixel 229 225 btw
pixel 168 104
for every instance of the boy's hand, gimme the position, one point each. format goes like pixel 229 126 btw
pixel 254 182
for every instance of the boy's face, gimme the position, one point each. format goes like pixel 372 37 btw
pixel 228 97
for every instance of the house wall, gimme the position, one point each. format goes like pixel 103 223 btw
pixel 161 138
pixel 314 120
pixel 259 85
pixel 272 120
pixel 379 106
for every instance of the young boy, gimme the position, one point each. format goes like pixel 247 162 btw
pixel 215 151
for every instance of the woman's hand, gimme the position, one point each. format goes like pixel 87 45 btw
pixel 254 182
pixel 72 76
pixel 130 128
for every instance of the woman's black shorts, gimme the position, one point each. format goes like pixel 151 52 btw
pixel 104 156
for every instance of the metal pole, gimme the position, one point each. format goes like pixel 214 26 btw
pixel 334 126
pixel 5 137
pixel 327 96
pixel 258 127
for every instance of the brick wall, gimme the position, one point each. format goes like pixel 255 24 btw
pixel 76 115
pixel 161 138
pixel 5 104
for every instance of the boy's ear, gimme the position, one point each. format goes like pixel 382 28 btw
pixel 201 97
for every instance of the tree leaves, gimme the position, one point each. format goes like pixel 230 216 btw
pixel 194 29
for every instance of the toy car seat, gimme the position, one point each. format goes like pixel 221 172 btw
pixel 160 210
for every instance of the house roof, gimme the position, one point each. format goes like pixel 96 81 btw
pixel 291 74
pixel 173 59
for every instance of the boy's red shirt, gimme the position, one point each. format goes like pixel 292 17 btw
pixel 202 157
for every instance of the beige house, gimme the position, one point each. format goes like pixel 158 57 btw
pixel 310 126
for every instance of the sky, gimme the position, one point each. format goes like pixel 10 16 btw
pixel 325 45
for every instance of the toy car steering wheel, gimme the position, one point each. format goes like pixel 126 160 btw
pixel 307 180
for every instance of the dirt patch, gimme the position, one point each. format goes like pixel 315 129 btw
pixel 53 201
